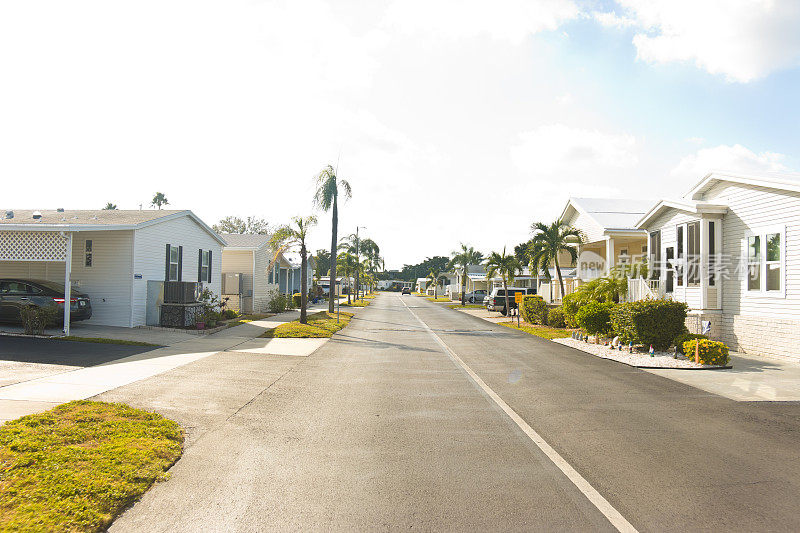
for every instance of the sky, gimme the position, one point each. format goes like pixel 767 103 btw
pixel 454 120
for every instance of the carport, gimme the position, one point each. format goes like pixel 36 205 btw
pixel 43 246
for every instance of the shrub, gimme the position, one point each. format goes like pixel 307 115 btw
pixel 683 337
pixel 36 319
pixel 570 305
pixel 277 302
pixel 534 309
pixel 296 300
pixel 595 318
pixel 711 352
pixel 556 319
pixel 650 322
pixel 229 314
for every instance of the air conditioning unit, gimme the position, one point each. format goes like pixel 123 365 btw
pixel 181 292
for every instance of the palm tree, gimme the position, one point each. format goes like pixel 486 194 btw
pixel 463 259
pixel 538 262
pixel 506 266
pixel 158 200
pixel 295 236
pixel 433 277
pixel 110 207
pixel 327 197
pixel 347 263
pixel 550 240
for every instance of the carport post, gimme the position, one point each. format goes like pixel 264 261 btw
pixel 67 286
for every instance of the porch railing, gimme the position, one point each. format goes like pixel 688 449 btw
pixel 642 289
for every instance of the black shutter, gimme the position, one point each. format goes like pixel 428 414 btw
pixel 180 263
pixel 200 265
pixel 166 266
pixel 209 266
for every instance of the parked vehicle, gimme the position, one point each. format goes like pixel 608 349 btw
pixel 496 301
pixel 476 296
pixel 16 293
pixel 406 290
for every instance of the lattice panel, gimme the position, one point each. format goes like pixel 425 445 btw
pixel 32 246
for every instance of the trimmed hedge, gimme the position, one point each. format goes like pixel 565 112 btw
pixel 681 339
pixel 534 309
pixel 649 322
pixel 555 318
pixel 595 318
pixel 711 352
pixel 569 306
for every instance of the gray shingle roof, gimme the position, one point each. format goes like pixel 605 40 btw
pixel 98 217
pixel 238 240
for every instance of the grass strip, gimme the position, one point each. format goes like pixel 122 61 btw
pixel 320 325
pixel 79 465
pixel 357 303
pixel 466 306
pixel 440 299
pixel 545 332
pixel 101 340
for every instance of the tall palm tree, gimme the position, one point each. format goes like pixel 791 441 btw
pixel 538 262
pixel 327 197
pixel 463 259
pixel 550 240
pixel 295 236
pixel 506 266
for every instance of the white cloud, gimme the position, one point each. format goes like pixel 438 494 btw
pixel 611 20
pixel 557 149
pixel 504 20
pixel 723 157
pixel 743 40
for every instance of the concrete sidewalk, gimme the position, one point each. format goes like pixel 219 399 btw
pixel 37 395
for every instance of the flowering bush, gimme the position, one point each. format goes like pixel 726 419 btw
pixel 711 352
pixel 683 337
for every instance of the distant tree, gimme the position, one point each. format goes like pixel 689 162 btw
pixel 464 258
pixel 549 240
pixel 110 207
pixel 420 270
pixel 249 226
pixel 295 235
pixel 521 252
pixel 506 266
pixel 322 263
pixel 158 200
pixel 326 197
pixel 346 263
pixel 433 277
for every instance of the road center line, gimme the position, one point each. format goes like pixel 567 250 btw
pixel 602 505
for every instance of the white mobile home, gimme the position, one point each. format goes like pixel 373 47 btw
pixel 730 249
pixel 251 270
pixel 111 255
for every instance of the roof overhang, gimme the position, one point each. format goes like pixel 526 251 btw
pixel 694 208
pixel 770 182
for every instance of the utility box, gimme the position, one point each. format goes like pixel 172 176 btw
pixel 231 283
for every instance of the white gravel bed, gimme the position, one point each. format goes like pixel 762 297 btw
pixel 659 359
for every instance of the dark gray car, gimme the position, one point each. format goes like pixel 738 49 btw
pixel 16 293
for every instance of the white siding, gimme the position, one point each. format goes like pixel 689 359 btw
pixel 150 255
pixel 593 232
pixel 752 208
pixel 260 277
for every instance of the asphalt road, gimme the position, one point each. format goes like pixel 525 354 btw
pixel 382 429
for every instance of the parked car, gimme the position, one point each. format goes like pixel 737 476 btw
pixel 406 290
pixel 16 293
pixel 496 301
pixel 476 296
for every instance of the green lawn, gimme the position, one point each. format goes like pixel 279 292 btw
pixel 100 340
pixel 320 325
pixel 77 466
pixel 357 303
pixel 466 306
pixel 440 299
pixel 545 332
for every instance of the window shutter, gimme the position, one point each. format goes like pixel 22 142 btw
pixel 180 263
pixel 200 265
pixel 209 266
pixel 166 266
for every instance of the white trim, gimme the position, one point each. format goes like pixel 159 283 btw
pixel 779 181
pixel 693 208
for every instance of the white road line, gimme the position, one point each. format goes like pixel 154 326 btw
pixel 613 516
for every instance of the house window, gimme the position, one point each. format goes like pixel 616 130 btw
pixel 655 255
pixel 712 257
pixel 679 256
pixel 87 254
pixel 754 263
pixel 693 253
pixel 773 261
pixel 624 258
pixel 173 263
pixel 205 262
pixel 765 254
